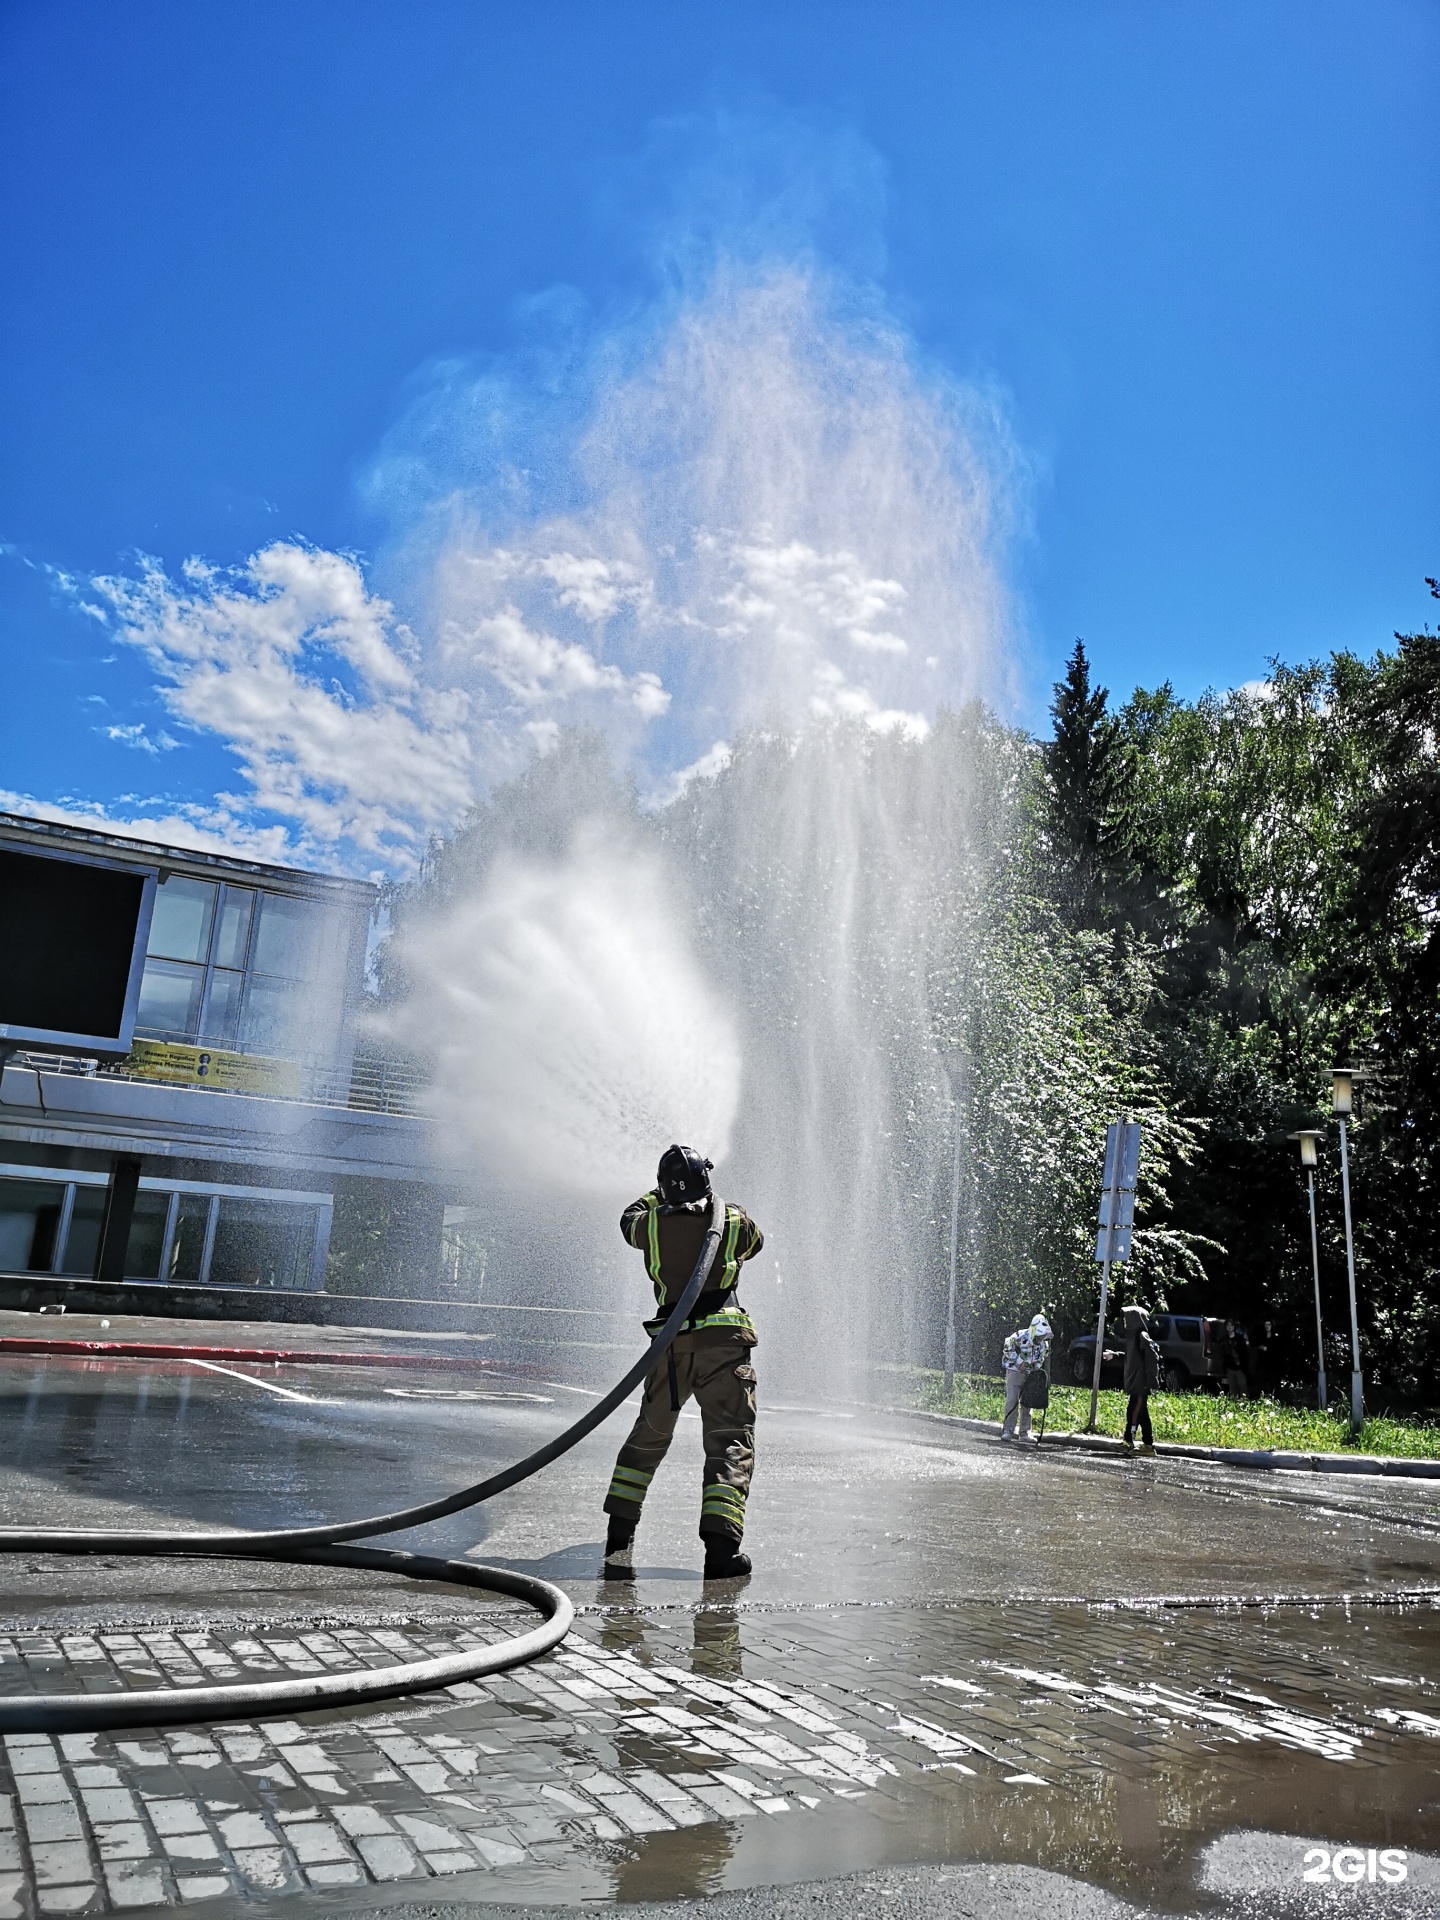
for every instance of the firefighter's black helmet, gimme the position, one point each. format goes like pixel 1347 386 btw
pixel 683 1177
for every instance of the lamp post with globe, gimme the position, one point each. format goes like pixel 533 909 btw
pixel 1309 1155
pixel 1343 1101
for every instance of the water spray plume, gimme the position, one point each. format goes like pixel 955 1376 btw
pixel 775 565
pixel 573 1031
pixel 754 547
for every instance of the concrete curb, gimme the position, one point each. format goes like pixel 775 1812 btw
pixel 1378 1466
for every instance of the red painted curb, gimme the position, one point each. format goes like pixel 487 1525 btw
pixel 278 1356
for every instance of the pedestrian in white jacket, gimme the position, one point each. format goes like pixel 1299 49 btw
pixel 1024 1351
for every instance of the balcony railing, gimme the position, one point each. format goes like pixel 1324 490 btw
pixel 373 1084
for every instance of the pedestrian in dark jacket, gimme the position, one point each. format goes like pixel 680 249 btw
pixel 1142 1377
pixel 1234 1360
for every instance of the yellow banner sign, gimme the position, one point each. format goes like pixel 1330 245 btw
pixel 213 1067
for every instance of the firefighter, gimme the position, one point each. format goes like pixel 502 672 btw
pixel 710 1358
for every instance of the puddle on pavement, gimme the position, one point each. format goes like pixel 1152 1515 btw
pixel 670 1752
pixel 1108 1743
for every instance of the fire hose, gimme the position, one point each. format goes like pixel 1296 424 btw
pixel 326 1546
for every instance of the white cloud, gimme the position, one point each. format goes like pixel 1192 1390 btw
pixel 836 698
pixel 596 588
pixel 137 736
pixel 536 667
pixel 804 595
pixel 217 829
pixel 343 724
pixel 251 655
pixel 710 763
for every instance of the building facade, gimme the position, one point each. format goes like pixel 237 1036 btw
pixel 269 1161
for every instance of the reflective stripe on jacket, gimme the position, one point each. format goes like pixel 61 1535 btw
pixel 671 1244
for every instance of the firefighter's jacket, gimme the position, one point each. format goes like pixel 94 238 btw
pixel 671 1245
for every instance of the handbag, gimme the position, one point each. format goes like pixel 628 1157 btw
pixel 1035 1390
pixel 1035 1395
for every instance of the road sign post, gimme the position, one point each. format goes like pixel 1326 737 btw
pixel 1117 1224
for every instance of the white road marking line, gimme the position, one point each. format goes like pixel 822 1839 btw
pixel 267 1386
pixel 468 1394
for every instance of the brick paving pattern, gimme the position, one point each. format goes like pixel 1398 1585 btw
pixel 648 1722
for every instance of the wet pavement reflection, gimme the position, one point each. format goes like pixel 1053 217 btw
pixel 949 1653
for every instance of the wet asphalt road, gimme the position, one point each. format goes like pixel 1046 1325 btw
pixel 848 1507
pixel 890 1554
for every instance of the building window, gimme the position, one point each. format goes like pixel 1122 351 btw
pixel 182 1232
pixel 82 1242
pixel 291 937
pixel 232 935
pixel 30 1212
pixel 238 969
pixel 199 927
pixel 170 996
pixel 297 948
pixel 147 1236
pixel 262 1243
pixel 221 1022
pixel 184 915
pixel 192 1237
pixel 270 1008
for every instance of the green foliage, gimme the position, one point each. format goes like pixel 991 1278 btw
pixel 1053 1020
pixel 1285 838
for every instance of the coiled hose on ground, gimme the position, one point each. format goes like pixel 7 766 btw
pixel 323 1546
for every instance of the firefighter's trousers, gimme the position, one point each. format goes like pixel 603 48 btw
pixel 716 1367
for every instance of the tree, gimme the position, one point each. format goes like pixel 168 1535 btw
pixel 1397 885
pixel 1384 968
pixel 1290 829
pixel 1089 767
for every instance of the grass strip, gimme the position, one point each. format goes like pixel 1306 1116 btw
pixel 1194 1419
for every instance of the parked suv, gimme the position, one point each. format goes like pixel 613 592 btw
pixel 1190 1349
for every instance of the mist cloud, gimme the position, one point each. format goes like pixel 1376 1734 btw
pixel 751 508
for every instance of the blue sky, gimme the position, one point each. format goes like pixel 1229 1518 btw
pixel 363 279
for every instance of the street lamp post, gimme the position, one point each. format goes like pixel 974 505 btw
pixel 957 1070
pixel 1343 1101
pixel 1308 1157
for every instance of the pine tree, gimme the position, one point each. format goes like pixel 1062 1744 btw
pixel 1090 779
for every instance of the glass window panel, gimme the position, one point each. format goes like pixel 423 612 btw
pixel 29 1218
pixel 83 1240
pixel 184 909
pixel 233 934
pixel 292 938
pixel 263 1243
pixel 273 1011
pixel 147 1236
pixel 170 998
pixel 188 1247
pixel 222 1008
pixel 1187 1330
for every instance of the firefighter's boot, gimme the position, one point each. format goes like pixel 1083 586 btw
pixel 723 1558
pixel 619 1549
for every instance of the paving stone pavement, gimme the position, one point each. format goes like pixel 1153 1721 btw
pixel 670 1752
